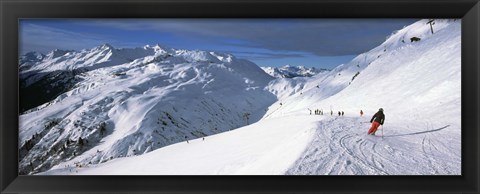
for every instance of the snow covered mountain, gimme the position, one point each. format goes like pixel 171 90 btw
pixel 28 59
pixel 417 83
pixel 288 71
pixel 31 57
pixel 106 103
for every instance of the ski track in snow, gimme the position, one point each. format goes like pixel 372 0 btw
pixel 341 146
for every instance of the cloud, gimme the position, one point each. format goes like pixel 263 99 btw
pixel 277 37
pixel 265 55
pixel 323 37
pixel 44 39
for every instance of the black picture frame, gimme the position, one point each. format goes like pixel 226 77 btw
pixel 11 11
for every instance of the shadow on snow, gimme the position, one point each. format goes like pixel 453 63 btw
pixel 416 133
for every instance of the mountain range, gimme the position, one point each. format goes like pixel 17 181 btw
pixel 288 71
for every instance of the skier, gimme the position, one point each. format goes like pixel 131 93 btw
pixel 342 113
pixel 310 111
pixel 361 113
pixel 186 138
pixel 377 119
pixel 331 113
pixel 339 113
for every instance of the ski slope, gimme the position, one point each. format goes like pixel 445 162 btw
pixel 320 145
pixel 340 146
pixel 417 83
pixel 247 150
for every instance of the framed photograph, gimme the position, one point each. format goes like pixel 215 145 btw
pixel 239 96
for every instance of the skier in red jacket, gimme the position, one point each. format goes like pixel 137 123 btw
pixel 376 121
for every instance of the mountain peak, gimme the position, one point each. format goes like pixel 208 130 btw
pixel 57 53
pixel 158 48
pixel 106 46
pixel 34 54
pixel 290 71
pixel 31 57
pixel 103 47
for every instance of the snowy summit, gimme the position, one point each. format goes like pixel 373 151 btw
pixel 155 110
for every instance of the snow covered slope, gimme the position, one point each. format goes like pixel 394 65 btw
pixel 405 78
pixel 288 71
pixel 247 150
pixel 417 83
pixel 419 86
pixel 126 102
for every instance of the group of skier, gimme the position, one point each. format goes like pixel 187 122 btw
pixel 377 119
pixel 317 112
pixel 320 112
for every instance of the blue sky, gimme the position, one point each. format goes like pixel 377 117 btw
pixel 323 43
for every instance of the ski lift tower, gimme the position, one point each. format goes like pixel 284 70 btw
pixel 246 116
pixel 431 22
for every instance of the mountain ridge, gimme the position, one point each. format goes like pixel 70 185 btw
pixel 289 71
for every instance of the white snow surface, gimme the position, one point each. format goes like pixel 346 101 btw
pixel 418 84
pixel 247 150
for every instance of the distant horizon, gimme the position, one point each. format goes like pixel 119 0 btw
pixel 319 43
pixel 260 65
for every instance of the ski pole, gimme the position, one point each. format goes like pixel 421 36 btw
pixel 382 131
